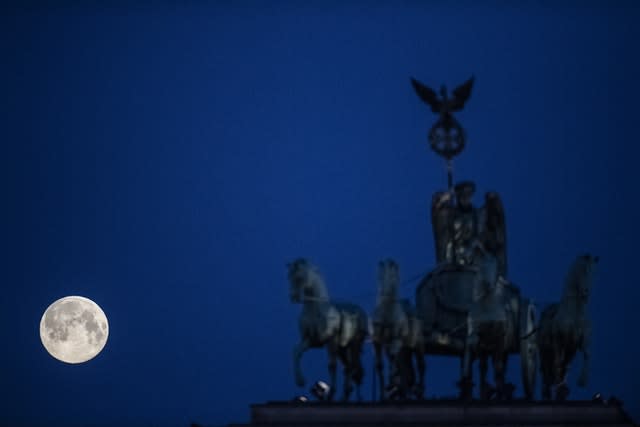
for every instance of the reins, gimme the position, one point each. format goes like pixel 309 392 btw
pixel 365 294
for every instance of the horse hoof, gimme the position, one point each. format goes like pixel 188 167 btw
pixel 562 392
pixel 466 389
pixel 509 390
pixel 466 396
pixel 487 395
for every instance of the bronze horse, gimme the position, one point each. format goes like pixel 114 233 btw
pixel 341 327
pixel 492 328
pixel 565 329
pixel 398 334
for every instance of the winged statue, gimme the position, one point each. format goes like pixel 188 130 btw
pixel 459 228
pixel 441 214
pixel 493 231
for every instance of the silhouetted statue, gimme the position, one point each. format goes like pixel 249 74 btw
pixel 341 327
pixel 493 230
pixel 460 228
pixel 492 331
pixel 565 329
pixel 398 334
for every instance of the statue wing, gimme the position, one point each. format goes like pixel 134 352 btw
pixel 441 211
pixel 493 231
pixel 428 95
pixel 461 94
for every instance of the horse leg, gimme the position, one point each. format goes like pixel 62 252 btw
pixel 358 370
pixel 485 388
pixel 404 370
pixel 412 370
pixel 298 351
pixel 466 381
pixel 420 365
pixel 584 373
pixel 509 388
pixel 332 352
pixel 558 360
pixel 396 364
pixel 546 389
pixel 560 373
pixel 546 375
pixel 377 345
pixel 347 372
pixel 498 372
pixel 562 389
pixel 408 373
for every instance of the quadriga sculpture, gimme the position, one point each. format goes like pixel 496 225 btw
pixel 565 329
pixel 397 333
pixel 341 327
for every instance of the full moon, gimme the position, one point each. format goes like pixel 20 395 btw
pixel 74 329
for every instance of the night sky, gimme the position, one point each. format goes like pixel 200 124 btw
pixel 166 160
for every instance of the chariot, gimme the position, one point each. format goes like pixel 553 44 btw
pixel 445 301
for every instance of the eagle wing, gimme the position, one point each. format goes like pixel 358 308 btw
pixel 493 230
pixel 428 95
pixel 461 94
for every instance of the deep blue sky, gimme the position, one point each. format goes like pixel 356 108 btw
pixel 167 160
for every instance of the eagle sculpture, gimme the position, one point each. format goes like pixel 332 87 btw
pixel 447 143
pixel 444 105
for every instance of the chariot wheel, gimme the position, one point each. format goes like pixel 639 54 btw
pixel 528 347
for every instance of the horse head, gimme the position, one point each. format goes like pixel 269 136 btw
pixel 388 280
pixel 304 281
pixel 580 278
